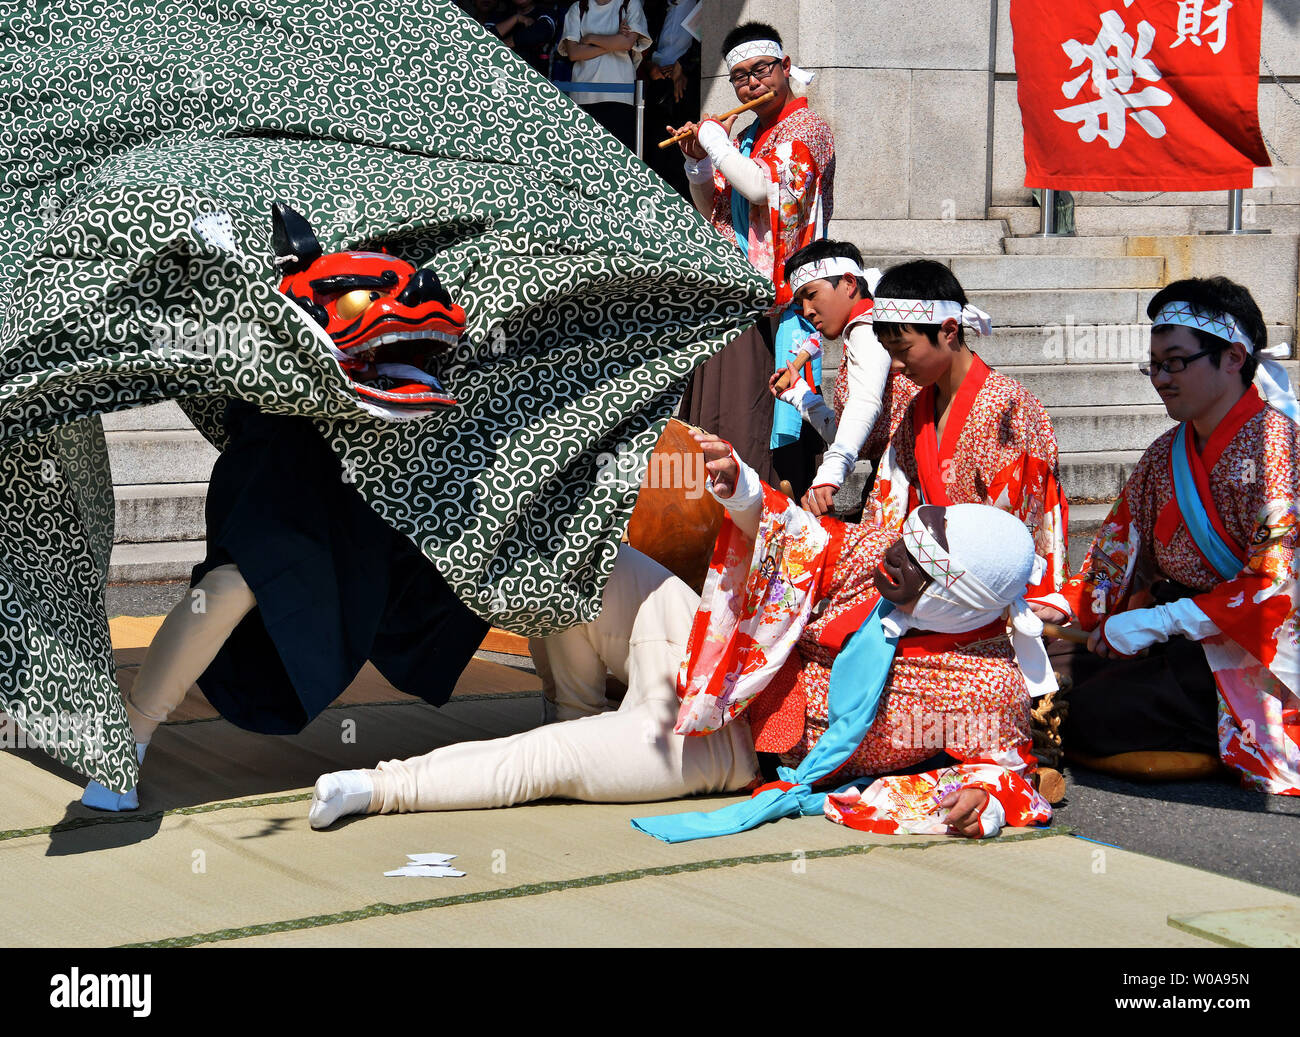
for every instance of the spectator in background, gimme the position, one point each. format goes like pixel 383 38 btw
pixel 673 83
pixel 529 29
pixel 482 11
pixel 605 39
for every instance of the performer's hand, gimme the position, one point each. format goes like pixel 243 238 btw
pixel 1048 614
pixel 1098 646
pixel 964 809
pixel 691 146
pixel 718 462
pixel 794 376
pixel 819 500
pixel 679 81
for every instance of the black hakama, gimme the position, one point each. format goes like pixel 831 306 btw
pixel 335 584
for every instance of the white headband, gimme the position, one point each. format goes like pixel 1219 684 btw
pixel 1270 376
pixel 958 601
pixel 1221 325
pixel 832 266
pixel 769 48
pixel 931 311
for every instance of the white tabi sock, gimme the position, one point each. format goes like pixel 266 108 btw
pixel 99 797
pixel 339 794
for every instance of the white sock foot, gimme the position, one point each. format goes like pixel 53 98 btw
pixel 99 797
pixel 339 794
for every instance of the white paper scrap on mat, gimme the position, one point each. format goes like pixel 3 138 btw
pixel 427 865
pixel 420 871
pixel 430 858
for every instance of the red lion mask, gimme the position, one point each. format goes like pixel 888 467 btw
pixel 387 319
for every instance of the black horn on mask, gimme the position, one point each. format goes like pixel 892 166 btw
pixel 292 239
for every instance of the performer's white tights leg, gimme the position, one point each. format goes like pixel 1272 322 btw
pixel 627 756
pixel 184 646
pixel 576 689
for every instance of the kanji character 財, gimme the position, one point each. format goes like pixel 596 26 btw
pixel 1189 23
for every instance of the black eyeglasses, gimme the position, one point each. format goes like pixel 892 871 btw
pixel 758 72
pixel 1174 365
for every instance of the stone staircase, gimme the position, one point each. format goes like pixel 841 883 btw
pixel 160 468
pixel 1069 318
pixel 1118 221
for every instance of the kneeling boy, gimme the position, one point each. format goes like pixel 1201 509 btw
pixel 1197 559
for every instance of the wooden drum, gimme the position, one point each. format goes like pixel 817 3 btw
pixel 676 520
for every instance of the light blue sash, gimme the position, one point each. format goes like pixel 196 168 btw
pixel 858 678
pixel 791 334
pixel 792 331
pixel 739 203
pixel 1224 560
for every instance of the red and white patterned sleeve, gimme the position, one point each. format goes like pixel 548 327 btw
pixel 1005 775
pixel 1260 608
pixel 1102 584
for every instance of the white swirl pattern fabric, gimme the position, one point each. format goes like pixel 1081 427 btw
pixel 592 293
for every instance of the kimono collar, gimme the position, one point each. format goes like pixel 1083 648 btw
pixel 861 312
pixel 795 105
pixel 1226 430
pixel 930 454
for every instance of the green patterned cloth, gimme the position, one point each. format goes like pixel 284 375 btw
pixel 592 292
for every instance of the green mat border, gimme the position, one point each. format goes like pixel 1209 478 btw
pixel 533 889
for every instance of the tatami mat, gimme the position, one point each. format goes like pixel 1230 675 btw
pixel 954 894
pixel 221 854
pixel 199 758
pixel 1245 927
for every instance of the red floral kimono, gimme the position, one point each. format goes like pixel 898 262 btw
pixel 1248 480
pixel 776 611
pixel 728 395
pixel 908 803
pixel 799 153
pixel 998 448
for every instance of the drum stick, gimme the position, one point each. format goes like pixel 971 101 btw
pixel 727 115
pixel 1079 637
pixel 783 383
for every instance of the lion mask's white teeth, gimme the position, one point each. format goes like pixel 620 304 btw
pixel 390 337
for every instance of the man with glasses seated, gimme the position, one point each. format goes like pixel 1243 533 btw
pixel 1189 588
pixel 769 191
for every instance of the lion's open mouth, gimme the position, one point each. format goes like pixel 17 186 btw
pixel 403 347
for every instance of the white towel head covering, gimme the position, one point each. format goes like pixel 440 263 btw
pixel 988 565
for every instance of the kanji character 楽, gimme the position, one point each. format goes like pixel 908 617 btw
pixel 1112 76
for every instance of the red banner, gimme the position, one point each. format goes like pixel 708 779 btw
pixel 1139 95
